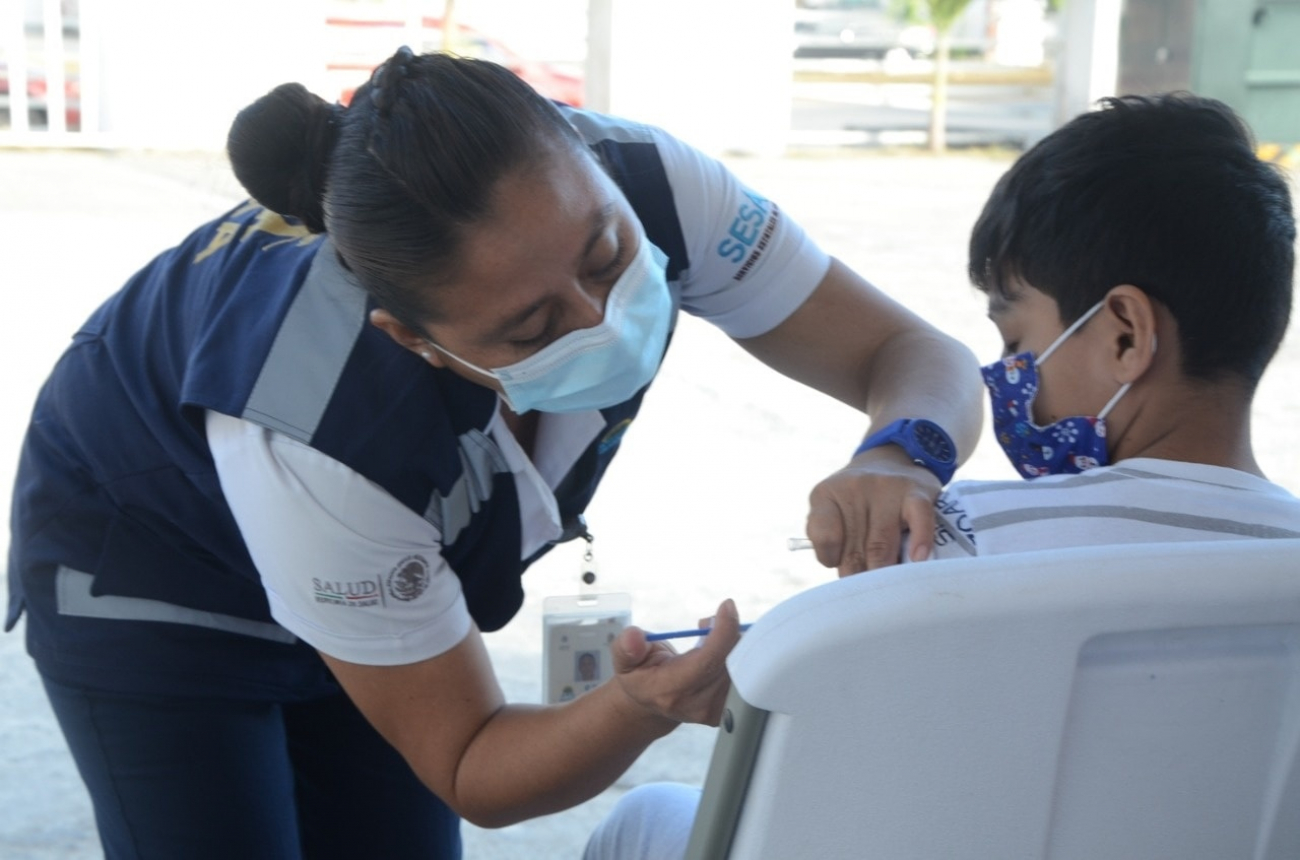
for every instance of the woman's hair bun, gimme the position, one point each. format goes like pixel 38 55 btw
pixel 279 148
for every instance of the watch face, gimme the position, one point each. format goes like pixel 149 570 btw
pixel 934 441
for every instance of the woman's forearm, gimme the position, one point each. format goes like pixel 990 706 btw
pixel 535 760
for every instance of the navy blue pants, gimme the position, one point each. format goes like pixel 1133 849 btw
pixel 217 780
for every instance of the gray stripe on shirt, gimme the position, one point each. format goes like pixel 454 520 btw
pixel 323 322
pixel 1172 519
pixel 1140 474
pixel 480 461
pixel 1083 479
pixel 74 597
pixel 595 128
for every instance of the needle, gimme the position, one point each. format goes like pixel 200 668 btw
pixel 679 634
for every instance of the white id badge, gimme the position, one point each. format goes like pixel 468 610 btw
pixel 576 634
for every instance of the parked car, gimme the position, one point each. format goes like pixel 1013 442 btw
pixel 874 29
pixel 37 90
pixel 358 44
pixel 859 29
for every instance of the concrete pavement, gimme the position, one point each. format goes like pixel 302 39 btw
pixel 713 479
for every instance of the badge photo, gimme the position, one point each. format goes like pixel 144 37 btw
pixel 577 632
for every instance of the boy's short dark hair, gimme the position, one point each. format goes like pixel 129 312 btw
pixel 1165 193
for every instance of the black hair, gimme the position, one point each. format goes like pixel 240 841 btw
pixel 396 177
pixel 1165 193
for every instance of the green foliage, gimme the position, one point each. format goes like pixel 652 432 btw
pixel 941 13
pixel 910 11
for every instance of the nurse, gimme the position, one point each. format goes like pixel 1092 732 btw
pixel 281 481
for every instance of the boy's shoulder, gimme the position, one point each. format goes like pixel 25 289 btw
pixel 1133 501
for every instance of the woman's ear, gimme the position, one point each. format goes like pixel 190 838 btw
pixel 1132 316
pixel 405 337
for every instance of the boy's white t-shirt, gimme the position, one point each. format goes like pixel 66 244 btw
pixel 1139 500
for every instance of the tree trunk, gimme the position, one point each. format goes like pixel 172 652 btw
pixel 939 92
pixel 450 28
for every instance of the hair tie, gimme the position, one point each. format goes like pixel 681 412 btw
pixel 386 80
pixel 321 132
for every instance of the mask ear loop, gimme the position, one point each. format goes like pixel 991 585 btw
pixel 1123 389
pixel 491 374
pixel 1074 326
pixel 1110 404
pixel 474 367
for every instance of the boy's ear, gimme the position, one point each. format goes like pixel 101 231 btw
pixel 404 336
pixel 1133 317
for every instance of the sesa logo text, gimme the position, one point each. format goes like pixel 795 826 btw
pixel 749 234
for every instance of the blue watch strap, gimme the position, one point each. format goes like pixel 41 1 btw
pixel 938 453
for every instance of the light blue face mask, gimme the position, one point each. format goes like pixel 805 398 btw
pixel 604 365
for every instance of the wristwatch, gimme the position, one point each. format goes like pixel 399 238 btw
pixel 927 443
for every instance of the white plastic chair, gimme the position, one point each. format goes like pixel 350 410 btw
pixel 1100 703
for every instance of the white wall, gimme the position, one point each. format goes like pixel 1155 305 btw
pixel 172 75
pixel 1088 66
pixel 547 30
pixel 175 74
pixel 717 73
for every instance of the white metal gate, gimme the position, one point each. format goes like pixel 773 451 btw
pixel 49 73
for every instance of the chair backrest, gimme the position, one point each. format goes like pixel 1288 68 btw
pixel 1103 702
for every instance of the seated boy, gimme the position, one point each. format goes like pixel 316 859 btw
pixel 1138 264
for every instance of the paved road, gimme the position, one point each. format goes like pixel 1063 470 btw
pixel 713 479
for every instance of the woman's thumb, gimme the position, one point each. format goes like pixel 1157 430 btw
pixel 630 649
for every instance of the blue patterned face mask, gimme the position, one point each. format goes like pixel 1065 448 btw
pixel 606 364
pixel 1064 447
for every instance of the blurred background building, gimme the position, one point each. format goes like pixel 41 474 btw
pixel 731 76
pixel 745 76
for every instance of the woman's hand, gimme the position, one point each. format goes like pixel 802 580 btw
pixel 497 763
pixel 685 688
pixel 851 341
pixel 857 516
